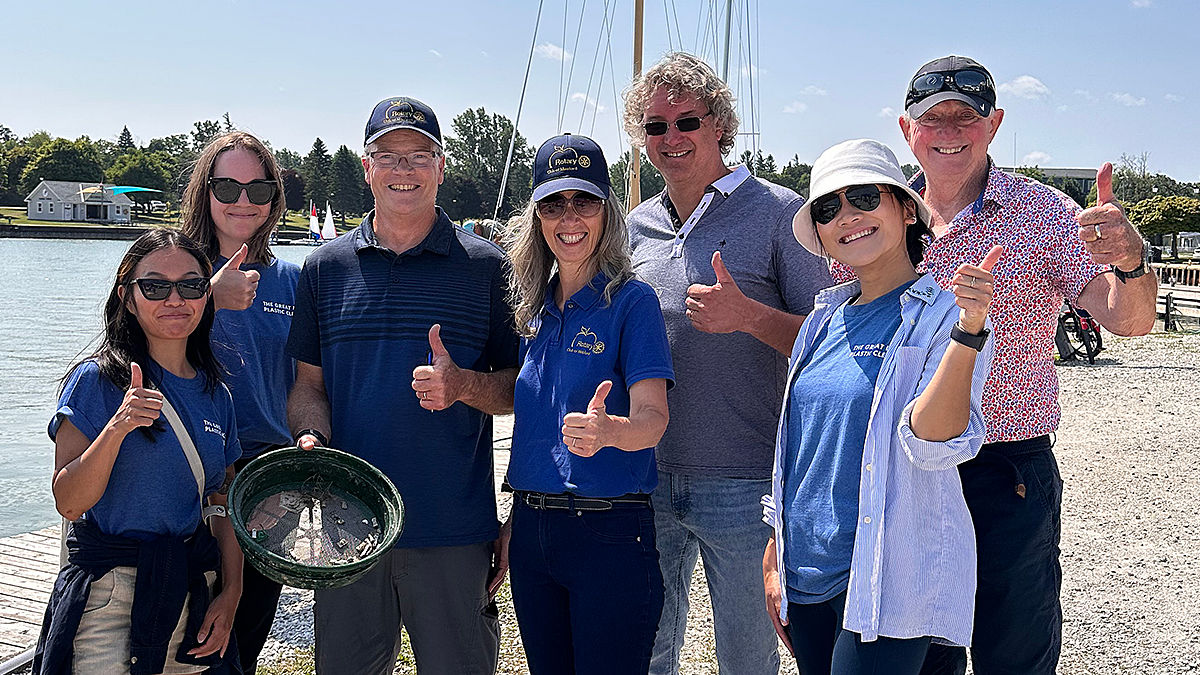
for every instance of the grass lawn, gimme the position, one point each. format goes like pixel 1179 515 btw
pixel 296 221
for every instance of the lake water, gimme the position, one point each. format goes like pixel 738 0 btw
pixel 53 292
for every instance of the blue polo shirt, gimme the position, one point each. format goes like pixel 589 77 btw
pixel 574 351
pixel 362 315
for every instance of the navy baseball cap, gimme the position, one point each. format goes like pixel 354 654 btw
pixel 951 78
pixel 402 112
pixel 570 162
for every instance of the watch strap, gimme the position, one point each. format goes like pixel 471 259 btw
pixel 321 440
pixel 966 339
pixel 1138 271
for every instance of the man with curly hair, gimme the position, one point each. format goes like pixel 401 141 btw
pixel 734 286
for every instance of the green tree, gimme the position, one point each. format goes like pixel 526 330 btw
pixel 1035 172
pixel 289 159
pixel 176 155
pixel 477 151
pixel 795 176
pixel 227 124
pixel 140 169
pixel 125 142
pixel 8 140
pixel 36 140
pixel 347 183
pixel 293 190
pixel 460 198
pixel 1161 215
pixel 61 159
pixel 316 172
pixel 15 162
pixel 910 170
pixel 203 133
pixel 650 181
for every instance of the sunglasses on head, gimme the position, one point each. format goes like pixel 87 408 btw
pixel 160 289
pixel 555 206
pixel 862 197
pixel 227 190
pixel 963 81
pixel 683 124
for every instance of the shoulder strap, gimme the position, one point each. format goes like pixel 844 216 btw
pixel 193 458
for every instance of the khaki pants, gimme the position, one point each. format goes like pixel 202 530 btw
pixel 102 641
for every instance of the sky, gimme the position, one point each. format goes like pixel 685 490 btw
pixel 1082 82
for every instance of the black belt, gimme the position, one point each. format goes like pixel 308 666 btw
pixel 566 501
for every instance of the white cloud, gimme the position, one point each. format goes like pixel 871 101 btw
pixel 1036 158
pixel 486 55
pixel 1025 86
pixel 1127 100
pixel 1140 4
pixel 887 112
pixel 1063 108
pixel 1173 98
pixel 1087 95
pixel 549 50
pixel 812 90
pixel 795 107
pixel 435 53
pixel 587 101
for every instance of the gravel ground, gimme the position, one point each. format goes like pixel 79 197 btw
pixel 1127 449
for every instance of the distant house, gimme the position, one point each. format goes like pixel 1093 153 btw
pixel 69 201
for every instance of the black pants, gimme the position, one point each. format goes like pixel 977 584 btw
pixel 823 646
pixel 256 609
pixel 1018 617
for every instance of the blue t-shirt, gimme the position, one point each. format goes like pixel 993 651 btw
pixel 250 345
pixel 828 408
pixel 151 491
pixel 573 352
pixel 363 315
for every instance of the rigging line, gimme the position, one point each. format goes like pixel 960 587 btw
pixel 667 18
pixel 562 63
pixel 512 141
pixel 571 73
pixel 603 64
pixel 750 61
pixel 757 59
pixel 678 33
pixel 619 111
pixel 596 55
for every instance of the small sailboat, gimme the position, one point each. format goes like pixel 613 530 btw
pixel 328 231
pixel 314 229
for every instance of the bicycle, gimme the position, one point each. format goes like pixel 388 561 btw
pixel 1078 335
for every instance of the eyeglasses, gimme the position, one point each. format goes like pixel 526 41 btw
pixel 862 197
pixel 964 81
pixel 683 124
pixel 584 205
pixel 160 289
pixel 227 190
pixel 389 160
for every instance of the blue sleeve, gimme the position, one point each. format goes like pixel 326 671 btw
pixel 87 399
pixel 801 274
pixel 304 337
pixel 224 402
pixel 503 343
pixel 645 353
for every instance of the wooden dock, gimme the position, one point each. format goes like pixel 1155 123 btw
pixel 29 565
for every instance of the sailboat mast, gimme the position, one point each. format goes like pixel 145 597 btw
pixel 728 30
pixel 635 156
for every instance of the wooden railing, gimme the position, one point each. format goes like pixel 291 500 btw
pixel 1171 274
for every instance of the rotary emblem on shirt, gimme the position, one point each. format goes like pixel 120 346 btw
pixel 586 342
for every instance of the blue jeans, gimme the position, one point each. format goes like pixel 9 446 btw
pixel 1018 616
pixel 720 520
pixel 823 646
pixel 586 588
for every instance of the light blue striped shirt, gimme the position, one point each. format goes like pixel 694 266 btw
pixel 912 572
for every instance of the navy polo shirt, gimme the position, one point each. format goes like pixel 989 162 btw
pixel 574 351
pixel 363 315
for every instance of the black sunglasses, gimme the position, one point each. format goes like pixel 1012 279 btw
pixel 684 124
pixel 963 81
pixel 584 204
pixel 862 197
pixel 227 190
pixel 160 289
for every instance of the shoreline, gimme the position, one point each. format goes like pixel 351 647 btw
pixel 102 232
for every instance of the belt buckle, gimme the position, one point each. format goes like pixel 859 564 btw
pixel 536 500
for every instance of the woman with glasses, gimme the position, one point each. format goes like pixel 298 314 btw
pixel 232 203
pixel 144 438
pixel 589 407
pixel 873 554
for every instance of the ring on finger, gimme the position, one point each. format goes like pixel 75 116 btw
pixel 1097 228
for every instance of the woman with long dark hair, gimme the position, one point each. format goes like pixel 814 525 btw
pixel 144 438
pixel 873 556
pixel 232 203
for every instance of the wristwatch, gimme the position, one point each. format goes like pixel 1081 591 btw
pixel 321 440
pixel 972 340
pixel 1140 269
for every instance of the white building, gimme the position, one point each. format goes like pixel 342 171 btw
pixel 68 201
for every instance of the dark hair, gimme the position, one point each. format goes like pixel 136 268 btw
pixel 196 221
pixel 123 340
pixel 918 235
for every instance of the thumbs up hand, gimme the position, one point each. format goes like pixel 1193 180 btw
pixel 973 287
pixel 140 407
pixel 584 433
pixel 720 308
pixel 1106 233
pixel 234 288
pixel 439 383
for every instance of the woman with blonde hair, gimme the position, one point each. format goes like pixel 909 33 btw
pixel 589 407
pixel 232 203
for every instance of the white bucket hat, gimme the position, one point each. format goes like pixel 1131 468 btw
pixel 857 162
